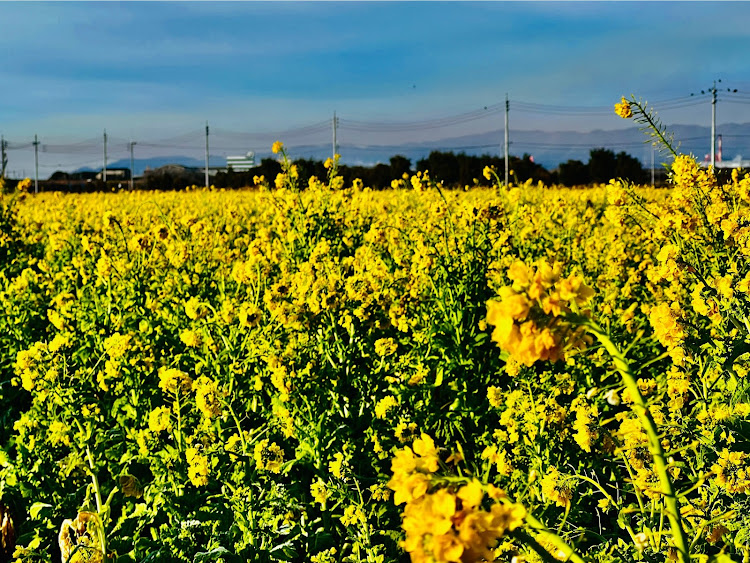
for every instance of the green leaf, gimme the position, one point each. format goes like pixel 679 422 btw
pixel 285 552
pixel 212 555
pixel 36 508
pixel 438 378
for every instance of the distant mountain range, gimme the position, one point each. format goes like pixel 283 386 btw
pixel 141 164
pixel 548 148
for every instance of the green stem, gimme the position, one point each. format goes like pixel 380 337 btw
pixel 555 540
pixel 99 507
pixel 598 486
pixel 526 539
pixel 239 428
pixel 653 126
pixel 654 443
pixel 178 436
pixel 632 479
pixel 95 480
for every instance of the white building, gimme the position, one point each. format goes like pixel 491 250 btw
pixel 241 163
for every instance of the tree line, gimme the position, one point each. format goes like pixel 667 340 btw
pixel 452 169
pixel 459 170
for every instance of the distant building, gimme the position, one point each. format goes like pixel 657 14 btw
pixel 241 163
pixel 115 174
pixel 736 162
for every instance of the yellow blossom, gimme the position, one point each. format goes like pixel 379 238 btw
pixel 116 345
pixel 385 405
pixel 197 467
pixel 623 109
pixel 58 433
pixel 555 488
pixel 337 465
pixel 191 338
pixel 268 456
pixel 207 396
pixel 320 492
pixel 159 419
pixel 173 381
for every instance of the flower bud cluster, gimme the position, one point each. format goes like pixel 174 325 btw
pixel 447 523
pixel 623 109
pixel 531 316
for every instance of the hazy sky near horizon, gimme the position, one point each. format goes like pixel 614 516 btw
pixel 71 69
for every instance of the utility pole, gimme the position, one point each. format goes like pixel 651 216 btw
pixel 4 159
pixel 104 170
pixel 36 164
pixel 653 175
pixel 132 168
pixel 713 126
pixel 714 90
pixel 335 144
pixel 507 163
pixel 206 154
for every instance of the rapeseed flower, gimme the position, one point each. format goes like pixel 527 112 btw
pixel 337 465
pixel 194 309
pixel 116 345
pixel 556 488
pixel 58 433
pixel 623 109
pixel 444 524
pixel 385 347
pixel 411 469
pixel 160 419
pixel 732 472
pixel 586 424
pixel 666 324
pixel 353 516
pixel 379 492
pixel 24 186
pixel 529 317
pixel 385 405
pixel 174 381
pixel 197 467
pixel 320 492
pixel 29 364
pixel 249 315
pixel 191 338
pixel 268 456
pixel 207 397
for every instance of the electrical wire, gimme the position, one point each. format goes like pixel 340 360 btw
pixel 302 139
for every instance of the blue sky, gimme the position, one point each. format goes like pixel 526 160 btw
pixel 146 69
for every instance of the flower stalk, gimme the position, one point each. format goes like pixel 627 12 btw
pixel 654 443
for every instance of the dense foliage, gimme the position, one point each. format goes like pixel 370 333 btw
pixel 337 374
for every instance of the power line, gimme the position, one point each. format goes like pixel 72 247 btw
pixel 311 138
pixel 393 126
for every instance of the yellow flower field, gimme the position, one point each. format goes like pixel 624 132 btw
pixel 320 372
